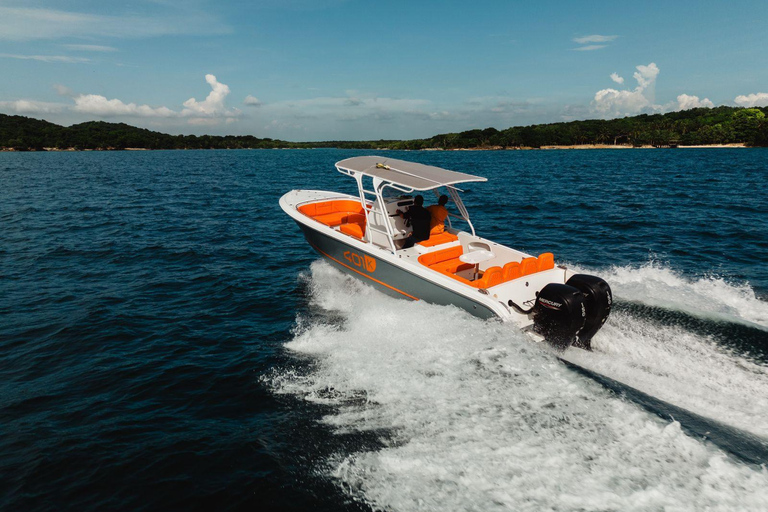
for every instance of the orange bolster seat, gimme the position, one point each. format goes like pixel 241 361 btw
pixel 308 209
pixel 528 266
pixel 442 238
pixel 546 262
pixel 347 205
pixel 315 209
pixel 511 271
pixel 491 277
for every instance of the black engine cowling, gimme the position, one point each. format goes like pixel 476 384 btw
pixel 597 300
pixel 559 314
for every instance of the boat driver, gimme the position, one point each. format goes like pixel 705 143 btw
pixel 439 213
pixel 420 219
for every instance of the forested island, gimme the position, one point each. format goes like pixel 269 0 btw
pixel 699 126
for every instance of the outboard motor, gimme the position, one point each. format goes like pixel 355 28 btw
pixel 559 314
pixel 597 300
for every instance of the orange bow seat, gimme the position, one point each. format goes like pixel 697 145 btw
pixel 334 212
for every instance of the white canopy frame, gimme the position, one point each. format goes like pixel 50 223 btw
pixel 380 183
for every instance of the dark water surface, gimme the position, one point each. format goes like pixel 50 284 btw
pixel 166 341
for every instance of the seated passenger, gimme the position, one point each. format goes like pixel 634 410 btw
pixel 419 218
pixel 439 213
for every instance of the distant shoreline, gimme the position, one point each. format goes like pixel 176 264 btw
pixel 720 127
pixel 579 147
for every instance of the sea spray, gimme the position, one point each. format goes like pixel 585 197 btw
pixel 712 296
pixel 473 416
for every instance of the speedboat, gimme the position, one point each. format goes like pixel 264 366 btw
pixel 365 236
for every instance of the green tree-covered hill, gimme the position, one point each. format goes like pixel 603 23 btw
pixel 720 125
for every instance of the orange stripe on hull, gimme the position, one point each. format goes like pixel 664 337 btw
pixel 364 275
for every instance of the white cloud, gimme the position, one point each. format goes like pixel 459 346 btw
pixel 203 121
pixel 752 100
pixel 499 105
pixel 589 48
pixel 46 58
pixel 100 106
pixel 618 103
pixel 63 90
pixel 612 102
pixel 594 38
pixel 252 101
pixel 213 105
pixel 592 42
pixel 26 24
pixel 687 102
pixel 208 112
pixel 356 106
pixel 646 75
pixel 334 115
pixel 31 107
pixel 90 48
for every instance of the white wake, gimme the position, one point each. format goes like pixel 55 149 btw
pixel 479 418
pixel 687 369
pixel 708 297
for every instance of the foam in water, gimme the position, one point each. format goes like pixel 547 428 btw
pixel 656 285
pixel 479 418
pixel 686 369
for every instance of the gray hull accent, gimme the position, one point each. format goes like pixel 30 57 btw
pixel 389 278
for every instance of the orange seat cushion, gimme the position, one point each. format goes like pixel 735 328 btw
pixel 356 218
pixel 460 279
pixel 353 229
pixel 332 219
pixel 336 206
pixel 441 238
pixel 431 258
pixel 451 266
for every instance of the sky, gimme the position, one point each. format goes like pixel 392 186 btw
pixel 310 70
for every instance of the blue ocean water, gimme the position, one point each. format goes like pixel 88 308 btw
pixel 169 341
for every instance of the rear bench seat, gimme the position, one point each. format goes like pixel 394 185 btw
pixel 514 269
pixel 447 262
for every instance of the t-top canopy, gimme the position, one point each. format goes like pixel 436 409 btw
pixel 407 174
